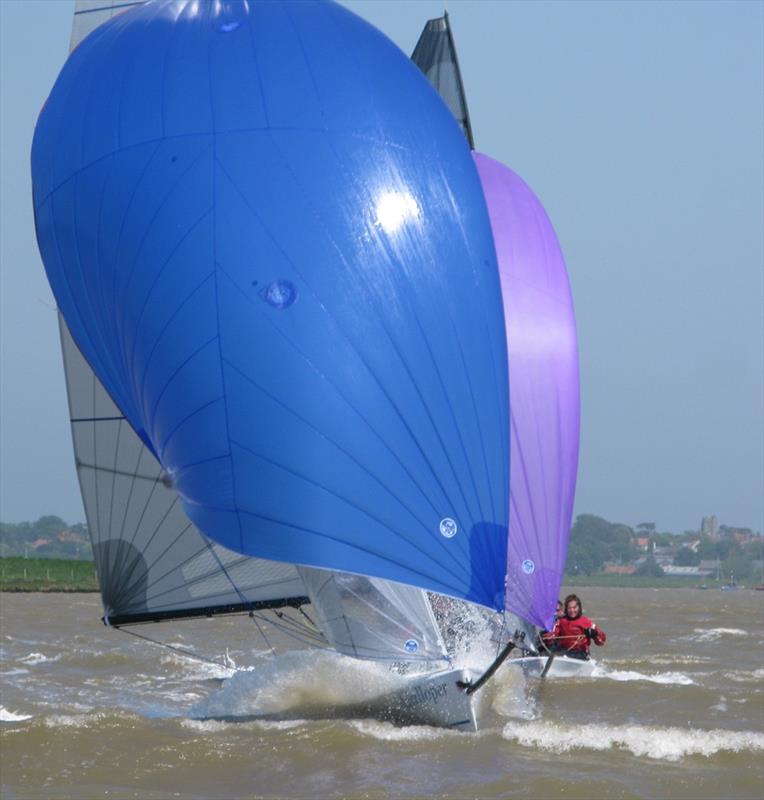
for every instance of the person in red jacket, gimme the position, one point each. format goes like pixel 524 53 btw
pixel 573 632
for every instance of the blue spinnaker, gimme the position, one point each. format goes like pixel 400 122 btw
pixel 267 237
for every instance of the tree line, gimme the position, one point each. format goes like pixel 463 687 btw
pixel 53 537
pixel 595 541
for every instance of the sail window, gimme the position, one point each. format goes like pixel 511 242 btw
pixel 280 294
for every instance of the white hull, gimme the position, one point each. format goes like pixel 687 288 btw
pixel 562 667
pixel 432 699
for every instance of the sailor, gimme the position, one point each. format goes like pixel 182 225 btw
pixel 573 632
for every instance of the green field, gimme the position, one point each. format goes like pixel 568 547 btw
pixel 47 575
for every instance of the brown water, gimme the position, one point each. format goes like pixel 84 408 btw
pixel 675 709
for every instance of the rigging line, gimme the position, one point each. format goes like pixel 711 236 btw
pixel 236 589
pixel 305 614
pixel 286 621
pixel 114 7
pixel 262 633
pixel 222 567
pixel 97 419
pixel 308 636
pixel 299 632
pixel 181 651
pixel 124 473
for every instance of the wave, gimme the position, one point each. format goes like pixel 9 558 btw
pixel 663 744
pixel 10 716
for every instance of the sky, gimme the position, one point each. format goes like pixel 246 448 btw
pixel 638 124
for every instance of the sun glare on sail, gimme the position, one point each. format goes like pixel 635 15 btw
pixel 395 208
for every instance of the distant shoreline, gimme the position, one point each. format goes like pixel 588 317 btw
pixel 18 574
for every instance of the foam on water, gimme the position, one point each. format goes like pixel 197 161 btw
pixel 38 658
pixel 721 705
pixel 684 659
pixel 671 678
pixel 11 716
pixel 297 680
pixel 713 634
pixel 205 725
pixel 386 732
pixel 67 720
pixel 203 670
pixel 745 675
pixel 664 744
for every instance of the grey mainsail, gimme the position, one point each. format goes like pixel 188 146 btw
pixel 435 55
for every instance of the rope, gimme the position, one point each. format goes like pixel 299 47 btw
pixel 186 653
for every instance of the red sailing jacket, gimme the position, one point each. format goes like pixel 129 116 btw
pixel 569 634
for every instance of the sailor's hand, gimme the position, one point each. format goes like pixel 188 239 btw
pixel 591 632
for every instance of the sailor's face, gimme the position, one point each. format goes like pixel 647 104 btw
pixel 573 610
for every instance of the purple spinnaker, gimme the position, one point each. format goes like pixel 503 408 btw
pixel 544 391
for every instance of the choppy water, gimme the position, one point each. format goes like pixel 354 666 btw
pixel 674 709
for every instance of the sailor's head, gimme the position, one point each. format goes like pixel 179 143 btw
pixel 573 607
pixel 560 610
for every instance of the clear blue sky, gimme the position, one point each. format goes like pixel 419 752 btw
pixel 640 127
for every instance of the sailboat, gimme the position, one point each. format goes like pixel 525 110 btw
pixel 337 439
